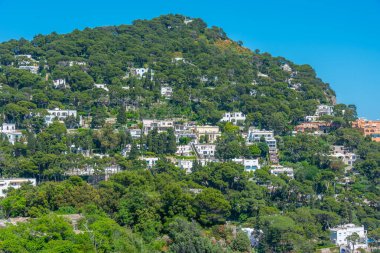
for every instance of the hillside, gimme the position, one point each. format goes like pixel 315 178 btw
pixel 209 73
pixel 168 136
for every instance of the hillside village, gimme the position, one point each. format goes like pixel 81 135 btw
pixel 251 143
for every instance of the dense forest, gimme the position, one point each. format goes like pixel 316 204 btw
pixel 165 209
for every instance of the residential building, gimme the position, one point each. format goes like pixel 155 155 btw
pixel 318 127
pixel 312 118
pixel 59 83
pixel 324 110
pixel 347 157
pixel 186 165
pixel 135 133
pixel 286 68
pixel 205 150
pixel 14 183
pixel 139 72
pixel 78 63
pixel 187 21
pixel 368 128
pixel 9 130
pixel 233 117
pixel 278 169
pixel 184 150
pixel 59 114
pixel 166 92
pixel 160 125
pixel 24 56
pixel 259 74
pixel 31 69
pixel 150 161
pixel 209 134
pixel 256 135
pixel 101 86
pixel 339 235
pixel 249 164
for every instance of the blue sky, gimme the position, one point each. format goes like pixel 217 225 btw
pixel 340 39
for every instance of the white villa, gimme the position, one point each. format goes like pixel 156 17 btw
pixel 338 235
pixel 9 130
pixel 255 135
pixel 101 86
pixel 166 92
pixel 150 161
pixel 186 165
pixel 184 150
pixel 347 157
pixel 249 164
pixel 278 169
pixel 286 68
pixel 233 117
pixel 14 183
pixel 139 72
pixel 59 83
pixel 59 114
pixel 161 125
pixel 212 133
pixel 206 150
pixel 324 110
pixel 31 69
pixel 135 133
pixel 320 111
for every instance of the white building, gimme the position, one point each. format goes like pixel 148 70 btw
pixel 23 56
pixel 150 161
pixel 139 72
pixel 324 110
pixel 286 68
pixel 347 157
pixel 339 235
pixel 205 150
pixel 259 74
pixel 278 169
pixel 186 165
pixel 59 83
pixel 59 114
pixel 312 118
pixel 249 164
pixel 78 63
pixel 14 183
pixel 187 21
pixel 9 130
pixel 161 125
pixel 101 86
pixel 135 133
pixel 233 117
pixel 166 92
pixel 31 69
pixel 210 133
pixel 255 135
pixel 184 150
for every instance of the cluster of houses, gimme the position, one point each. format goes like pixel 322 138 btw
pixel 313 124
pixel 369 128
pixel 201 146
pixel 26 62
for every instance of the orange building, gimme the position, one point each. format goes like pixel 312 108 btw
pixel 368 128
